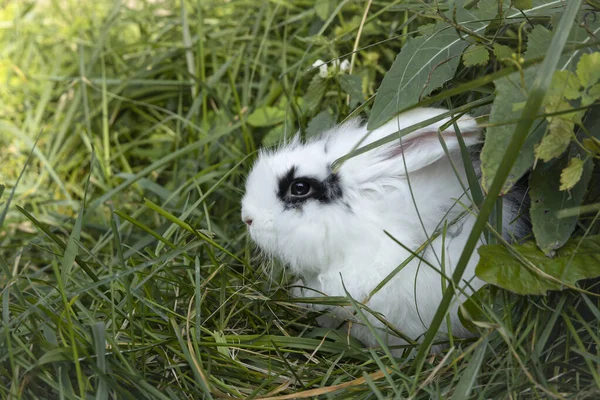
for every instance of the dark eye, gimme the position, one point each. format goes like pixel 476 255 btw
pixel 299 188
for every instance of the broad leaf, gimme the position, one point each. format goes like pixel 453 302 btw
pixel 266 116
pixel 510 94
pixel 319 124
pixel 560 132
pixel 550 231
pixel 501 51
pixel 572 174
pixel 508 97
pixel 588 69
pixel 423 65
pixel 352 85
pixel 476 54
pixel 578 259
pixel 315 92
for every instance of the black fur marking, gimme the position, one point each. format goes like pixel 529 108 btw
pixel 325 191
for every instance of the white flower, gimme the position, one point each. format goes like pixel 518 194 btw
pixel 345 66
pixel 322 68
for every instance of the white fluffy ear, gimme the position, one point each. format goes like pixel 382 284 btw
pixel 414 151
pixel 423 147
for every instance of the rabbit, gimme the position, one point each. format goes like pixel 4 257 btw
pixel 329 227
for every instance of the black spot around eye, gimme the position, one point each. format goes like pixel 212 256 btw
pixel 299 188
pixel 294 191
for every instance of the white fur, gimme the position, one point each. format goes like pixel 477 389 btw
pixel 345 239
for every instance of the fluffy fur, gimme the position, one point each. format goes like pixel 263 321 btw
pixel 337 232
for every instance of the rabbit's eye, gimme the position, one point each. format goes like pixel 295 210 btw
pixel 299 188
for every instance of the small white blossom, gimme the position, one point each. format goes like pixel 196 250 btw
pixel 322 68
pixel 345 65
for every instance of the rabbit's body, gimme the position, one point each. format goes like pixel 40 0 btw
pixel 337 230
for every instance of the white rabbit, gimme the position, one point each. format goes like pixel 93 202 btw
pixel 329 226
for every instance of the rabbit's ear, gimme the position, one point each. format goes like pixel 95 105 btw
pixel 411 152
pixel 424 147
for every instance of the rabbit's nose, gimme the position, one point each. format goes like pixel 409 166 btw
pixel 248 221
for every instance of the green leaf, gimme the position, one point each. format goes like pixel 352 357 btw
pixel 578 259
pixel 591 95
pixel 564 85
pixel 560 132
pixel 324 8
pixel 523 4
pixel 511 96
pixel 488 9
pixel 266 116
pixel 319 124
pixel 501 51
pixel 274 136
pixel 508 96
pixel 423 65
pixel 537 42
pixel 571 174
pixel 352 85
pixel 426 29
pixel 476 54
pixel 551 231
pixel 588 69
pixel 592 145
pixel 315 92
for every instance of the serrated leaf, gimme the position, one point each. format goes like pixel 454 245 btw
pixel 488 9
pixel 508 96
pixel 556 141
pixel 266 116
pixel 352 85
pixel 550 231
pixel 315 92
pixel 319 124
pixel 523 4
pixel 592 144
pixel 537 42
pixel 475 54
pixel 588 69
pixel 564 85
pixel 571 174
pixel 423 65
pixel 501 51
pixel 324 8
pixel 274 137
pixel 591 95
pixel 578 259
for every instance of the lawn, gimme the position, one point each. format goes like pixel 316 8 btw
pixel 127 129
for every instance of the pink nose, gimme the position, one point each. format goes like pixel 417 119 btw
pixel 248 221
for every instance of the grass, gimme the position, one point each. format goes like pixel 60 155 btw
pixel 125 269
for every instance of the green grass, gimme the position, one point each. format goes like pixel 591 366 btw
pixel 125 271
